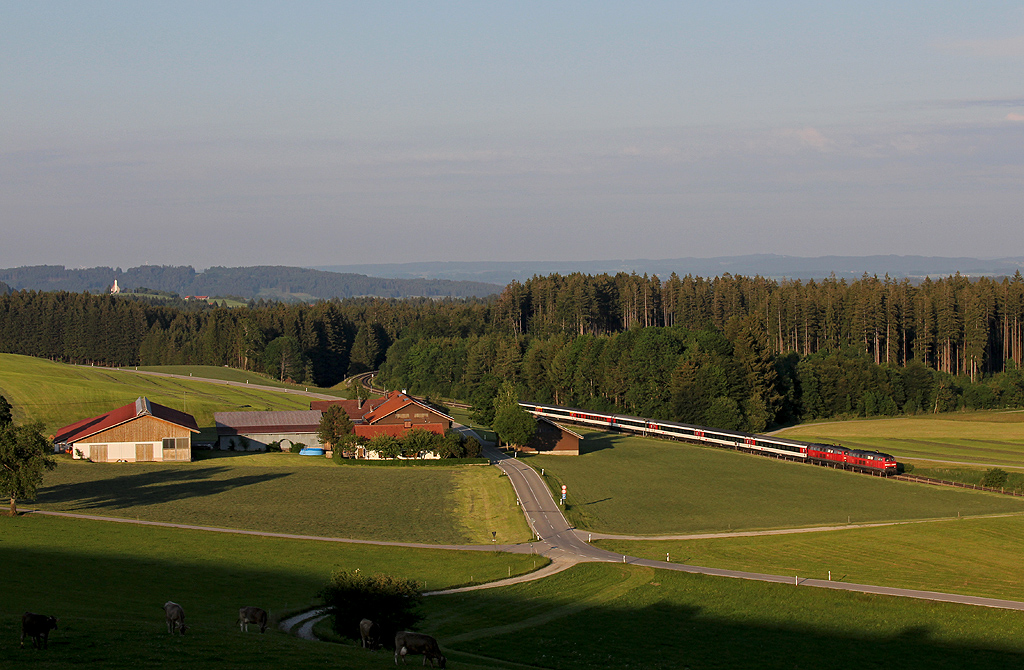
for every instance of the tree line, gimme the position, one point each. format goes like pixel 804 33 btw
pixel 733 351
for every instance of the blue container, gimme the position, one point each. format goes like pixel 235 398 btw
pixel 311 451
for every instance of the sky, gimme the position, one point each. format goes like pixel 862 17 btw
pixel 329 133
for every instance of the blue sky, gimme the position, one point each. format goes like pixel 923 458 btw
pixel 312 133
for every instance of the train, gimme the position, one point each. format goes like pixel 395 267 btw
pixel 833 455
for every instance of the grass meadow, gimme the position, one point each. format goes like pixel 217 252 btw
pixel 643 486
pixel 287 493
pixel 58 394
pixel 979 556
pixel 107 583
pixel 624 616
pixel 234 375
pixel 980 438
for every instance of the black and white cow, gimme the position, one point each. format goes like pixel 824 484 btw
pixel 37 627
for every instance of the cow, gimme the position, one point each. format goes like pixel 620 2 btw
pixel 38 627
pixel 175 618
pixel 252 615
pixel 418 643
pixel 369 632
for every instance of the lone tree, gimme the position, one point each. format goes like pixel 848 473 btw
pixel 334 426
pixel 513 424
pixel 24 457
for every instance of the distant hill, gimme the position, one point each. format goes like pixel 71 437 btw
pixel 266 281
pixel 766 265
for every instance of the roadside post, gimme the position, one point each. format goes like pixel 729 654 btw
pixel 563 495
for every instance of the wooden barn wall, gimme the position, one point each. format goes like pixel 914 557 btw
pixel 142 429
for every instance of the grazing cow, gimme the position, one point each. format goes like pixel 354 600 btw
pixel 175 618
pixel 369 632
pixel 38 627
pixel 418 643
pixel 252 615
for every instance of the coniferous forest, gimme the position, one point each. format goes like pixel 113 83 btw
pixel 732 352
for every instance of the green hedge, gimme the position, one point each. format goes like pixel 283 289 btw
pixel 413 462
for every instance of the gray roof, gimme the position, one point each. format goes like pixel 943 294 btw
pixel 293 421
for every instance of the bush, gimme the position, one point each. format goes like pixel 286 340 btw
pixel 389 601
pixel 995 478
pixel 274 446
pixel 472 448
pixel 296 447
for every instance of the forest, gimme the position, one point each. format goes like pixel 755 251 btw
pixel 731 351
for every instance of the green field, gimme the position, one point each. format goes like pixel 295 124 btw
pixel 981 438
pixel 107 583
pixel 58 394
pixel 618 616
pixel 232 375
pixel 980 556
pixel 642 486
pixel 287 493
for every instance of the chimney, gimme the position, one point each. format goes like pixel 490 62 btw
pixel 361 399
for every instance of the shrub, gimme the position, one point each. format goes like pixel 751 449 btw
pixel 274 446
pixel 385 445
pixel 296 447
pixel 472 448
pixel 389 601
pixel 995 478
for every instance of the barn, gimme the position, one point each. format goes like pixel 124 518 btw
pixel 139 431
pixel 552 438
pixel 253 431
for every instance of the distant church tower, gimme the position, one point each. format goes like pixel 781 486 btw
pixel 115 288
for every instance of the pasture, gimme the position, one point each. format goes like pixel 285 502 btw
pixel 983 439
pixel 287 493
pixel 979 556
pixel 58 394
pixel 233 375
pixel 642 486
pixel 624 616
pixel 107 583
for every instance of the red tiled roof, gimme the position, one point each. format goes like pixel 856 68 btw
pixel 396 400
pixel 351 407
pixel 115 417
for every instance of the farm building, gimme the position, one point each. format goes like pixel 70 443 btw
pixel 139 431
pixel 553 439
pixel 394 414
pixel 253 431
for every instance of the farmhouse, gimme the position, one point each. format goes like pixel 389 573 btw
pixel 253 431
pixel 395 414
pixel 553 439
pixel 139 431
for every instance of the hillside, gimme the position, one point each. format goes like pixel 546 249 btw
pixel 270 282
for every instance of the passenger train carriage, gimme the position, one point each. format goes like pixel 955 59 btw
pixel 821 454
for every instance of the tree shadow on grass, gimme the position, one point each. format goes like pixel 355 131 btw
pixel 148 488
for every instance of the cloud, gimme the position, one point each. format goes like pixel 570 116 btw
pixel 1013 116
pixel 809 137
pixel 1007 47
